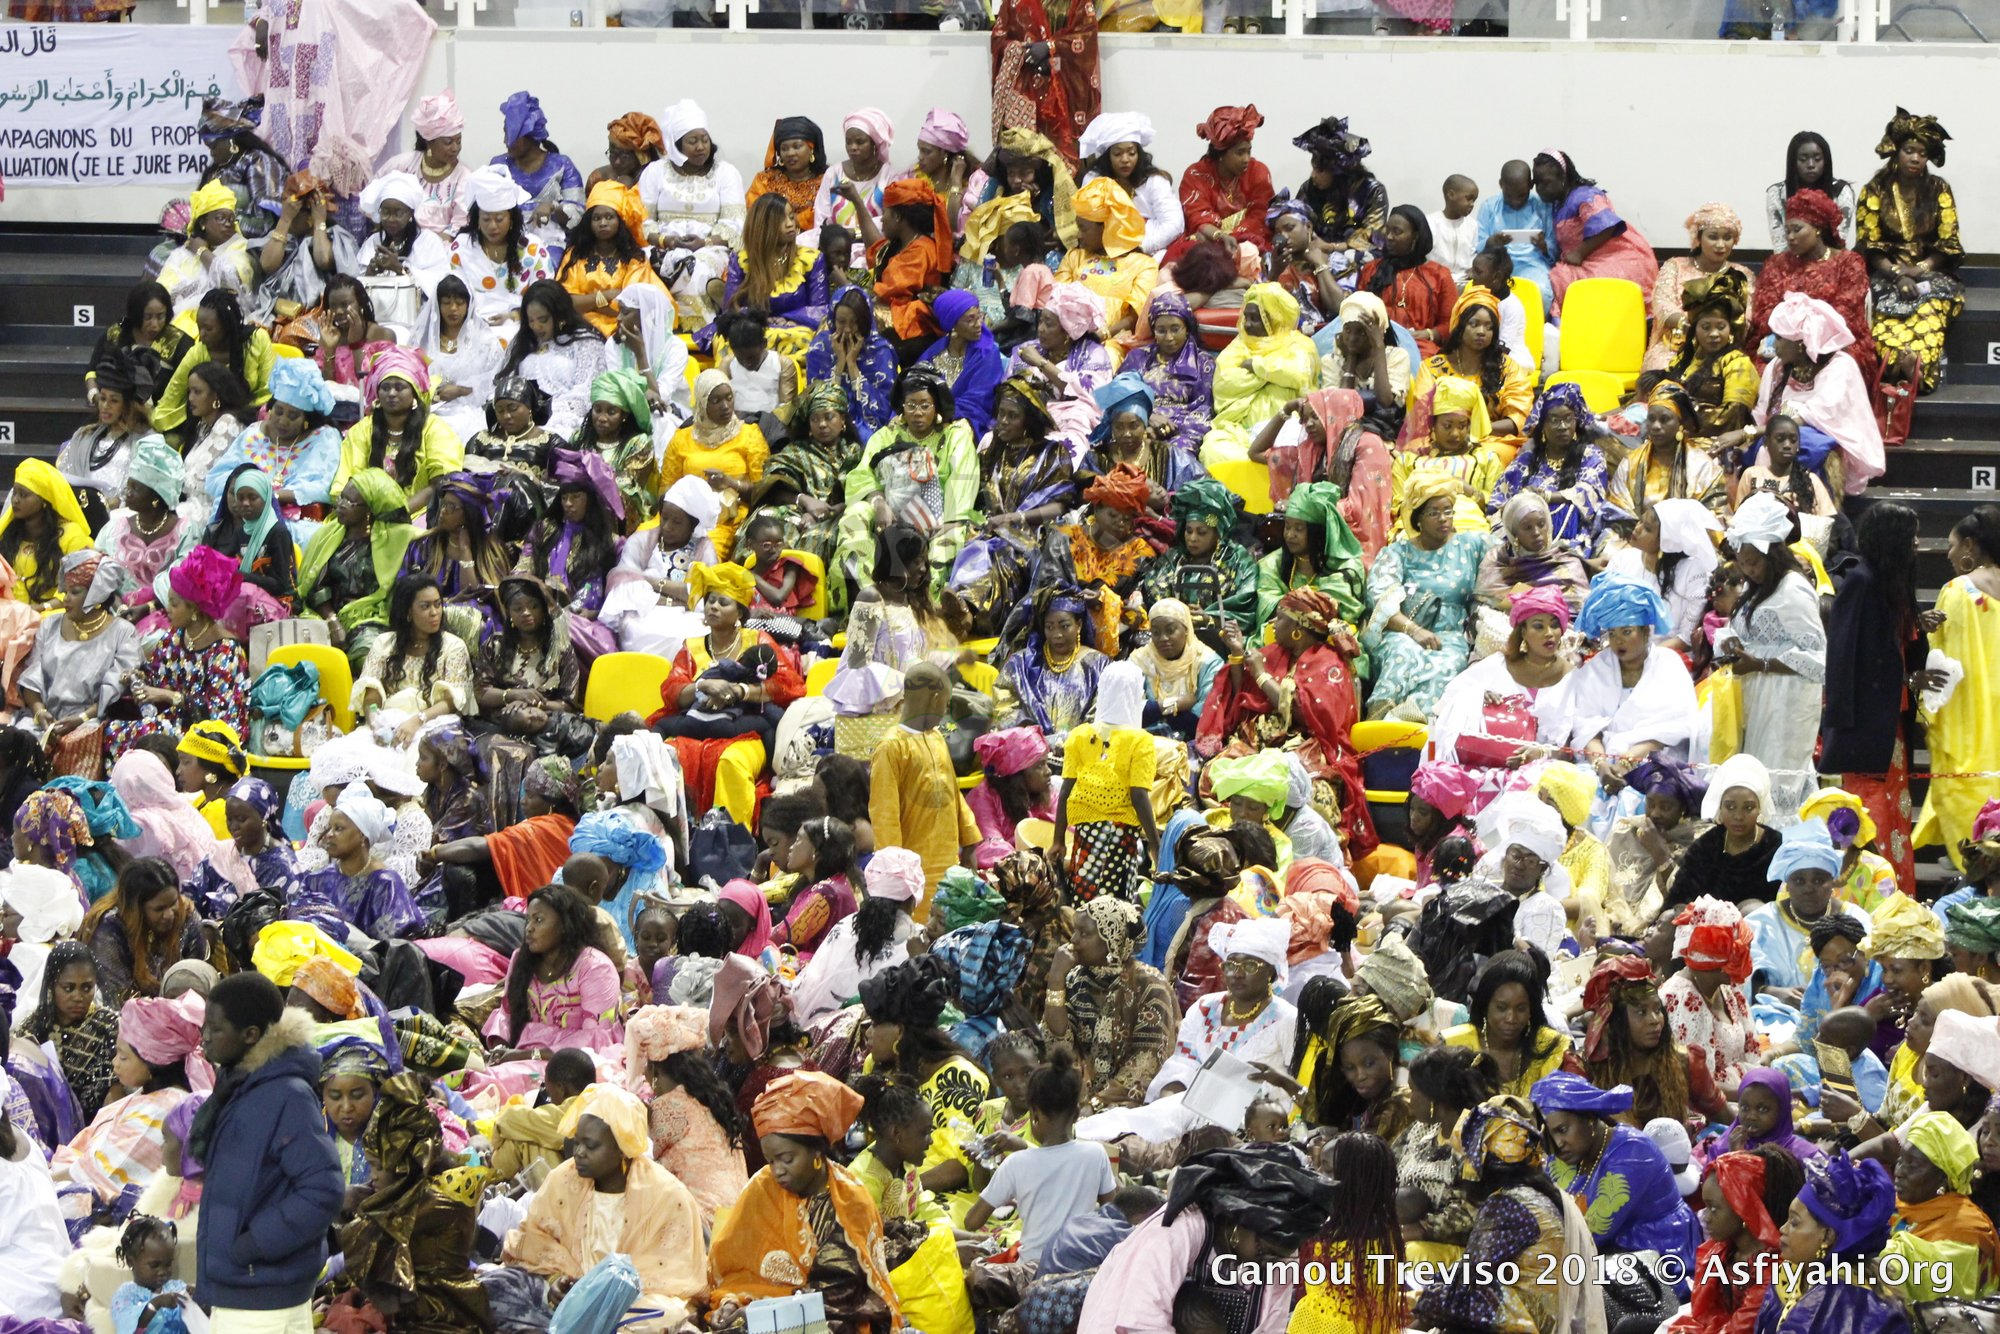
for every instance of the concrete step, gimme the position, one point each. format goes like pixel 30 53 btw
pixel 1938 509
pixel 81 290
pixel 38 423
pixel 55 239
pixel 1959 411
pixel 1942 462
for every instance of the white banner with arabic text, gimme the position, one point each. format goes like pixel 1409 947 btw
pixel 90 104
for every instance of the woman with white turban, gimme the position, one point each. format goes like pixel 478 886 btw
pixel 1114 145
pixel 495 245
pixel 645 342
pixel 1778 651
pixel 400 263
pixel 646 604
pixel 694 209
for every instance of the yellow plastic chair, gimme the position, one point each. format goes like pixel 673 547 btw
pixel 1537 316
pixel 814 566
pixel 980 648
pixel 625 683
pixel 1248 479
pixel 981 676
pixel 282 350
pixel 1371 735
pixel 1603 391
pixel 336 684
pixel 1604 328
pixel 819 674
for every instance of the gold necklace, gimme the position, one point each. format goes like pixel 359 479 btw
pixel 1233 1018
pixel 139 525
pixel 90 621
pixel 1066 663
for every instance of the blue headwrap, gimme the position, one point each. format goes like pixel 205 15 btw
pixel 1617 599
pixel 296 381
pixel 1564 1092
pixel 604 834
pixel 1283 203
pixel 262 798
pixel 1855 1199
pixel 1804 846
pixel 1564 395
pixel 1121 394
pixel 103 809
pixel 1660 772
pixel 522 118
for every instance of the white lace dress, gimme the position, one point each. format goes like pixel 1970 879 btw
pixel 564 371
pixel 474 360
pixel 683 212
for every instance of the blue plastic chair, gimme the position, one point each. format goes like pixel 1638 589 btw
pixel 1323 340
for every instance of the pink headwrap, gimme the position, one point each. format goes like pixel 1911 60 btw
pixel 945 129
pixel 1811 322
pixel 752 901
pixel 656 1032
pixel 1445 786
pixel 1076 308
pixel 1721 217
pixel 896 874
pixel 875 123
pixel 438 116
pixel 405 363
pixel 209 580
pixel 746 998
pixel 1010 750
pixel 162 1032
pixel 1986 824
pixel 1542 600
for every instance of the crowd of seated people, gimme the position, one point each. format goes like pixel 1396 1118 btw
pixel 1014 582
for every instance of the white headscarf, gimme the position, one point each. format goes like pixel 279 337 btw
pixel 1685 526
pixel 696 499
pixel 1114 127
pixel 46 900
pixel 1763 522
pixel 1969 1043
pixel 677 122
pixel 1121 696
pixel 375 820
pixel 400 186
pixel 1742 770
pixel 648 771
pixel 1536 827
pixel 1266 938
pixel 1300 794
pixel 494 191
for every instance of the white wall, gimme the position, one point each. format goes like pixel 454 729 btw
pixel 1663 126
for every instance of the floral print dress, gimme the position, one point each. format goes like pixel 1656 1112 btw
pixel 213 682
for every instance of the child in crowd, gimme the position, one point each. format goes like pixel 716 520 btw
pixel 717 714
pixel 913 796
pixel 765 383
pixel 652 941
pixel 899 1125
pixel 149 1248
pixel 1059 1178
pixel 784 586
pixel 529 1132
pixel 837 244
pixel 1454 229
pixel 1107 792
pixel 1267 1120
pixel 597 880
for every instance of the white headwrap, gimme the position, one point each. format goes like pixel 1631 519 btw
pixel 1114 127
pixel 493 190
pixel 1685 526
pixel 678 121
pixel 46 900
pixel 375 821
pixel 1742 770
pixel 1300 794
pixel 1763 521
pixel 390 771
pixel 400 186
pixel 1537 828
pixel 1121 696
pixel 1266 938
pixel 1969 1043
pixel 1706 910
pixel 697 499
pixel 648 771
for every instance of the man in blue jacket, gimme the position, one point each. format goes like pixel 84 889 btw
pixel 272 1179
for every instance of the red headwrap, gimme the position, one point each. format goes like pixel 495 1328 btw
pixel 1741 1176
pixel 1310 875
pixel 1447 787
pixel 1815 207
pixel 917 190
pixel 1228 126
pixel 1724 947
pixel 1123 488
pixel 1602 993
pixel 1311 608
pixel 1541 600
pixel 638 133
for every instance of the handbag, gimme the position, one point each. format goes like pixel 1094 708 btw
pixel 1505 727
pixel 80 753
pixel 719 849
pixel 277 634
pixel 288 718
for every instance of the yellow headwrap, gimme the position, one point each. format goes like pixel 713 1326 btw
pixel 1572 788
pixel 1104 200
pixel 984 224
pixel 1279 312
pixel 732 581
pixel 622 1112
pixel 1422 488
pixel 623 200
pixel 215 743
pixel 1478 298
pixel 283 946
pixel 1902 928
pixel 1026 143
pixel 1830 799
pixel 1949 1146
pixel 39 478
pixel 1455 393
pixel 215 197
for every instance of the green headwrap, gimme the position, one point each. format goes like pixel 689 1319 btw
pixel 388 538
pixel 821 394
pixel 1949 1146
pixel 1319 502
pixel 156 465
pixel 1974 925
pixel 625 389
pixel 1265 776
pixel 1206 500
pixel 964 899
